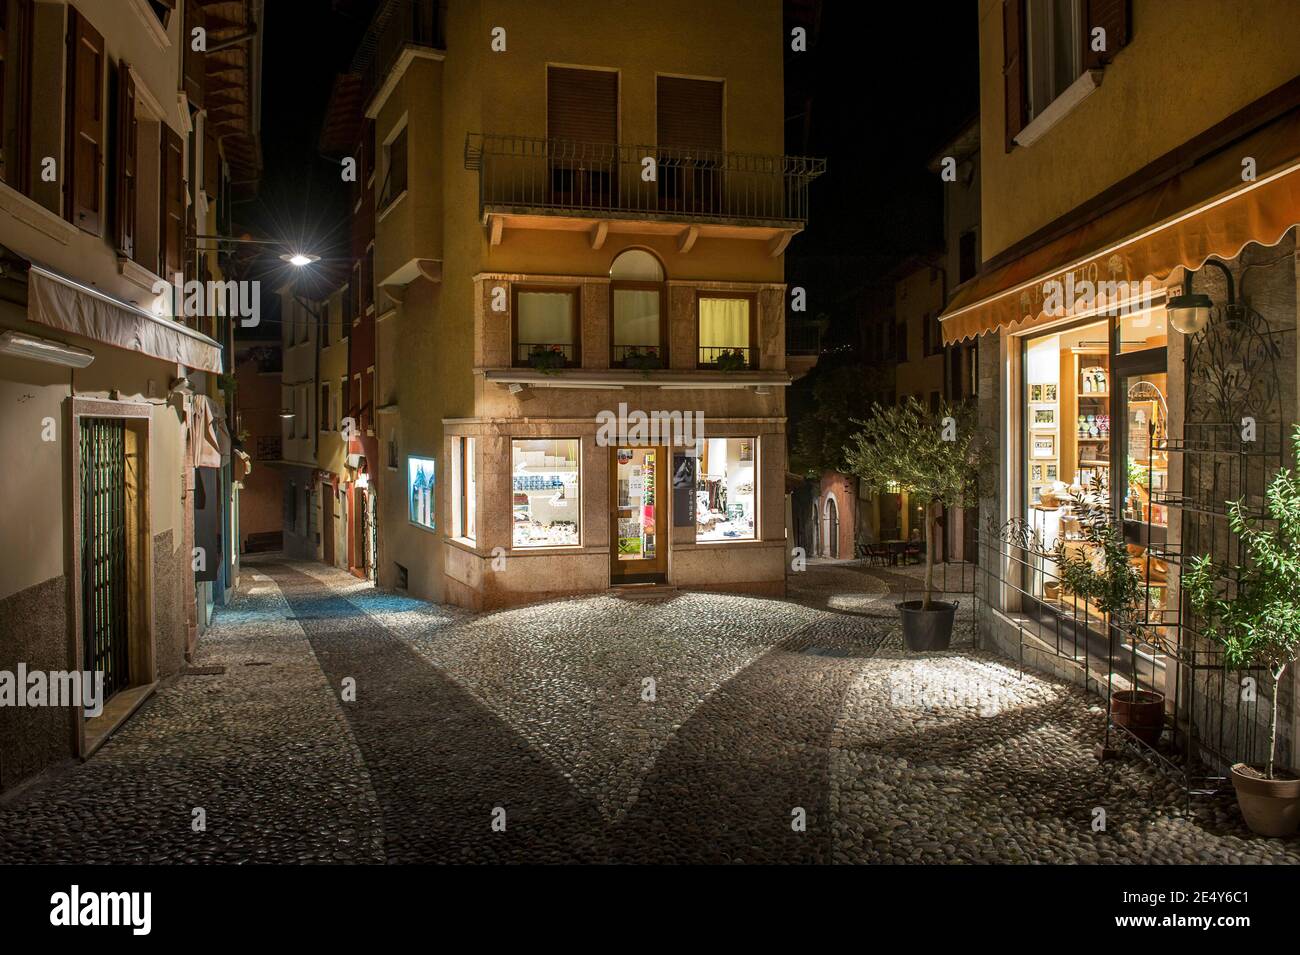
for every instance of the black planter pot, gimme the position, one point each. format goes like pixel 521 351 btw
pixel 927 629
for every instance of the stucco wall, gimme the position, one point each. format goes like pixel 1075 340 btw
pixel 1186 67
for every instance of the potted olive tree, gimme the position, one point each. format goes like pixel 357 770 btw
pixel 935 457
pixel 1099 569
pixel 1258 627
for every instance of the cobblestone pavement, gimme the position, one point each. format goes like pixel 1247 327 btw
pixel 698 728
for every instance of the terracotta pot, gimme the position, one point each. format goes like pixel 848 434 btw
pixel 1141 712
pixel 1271 807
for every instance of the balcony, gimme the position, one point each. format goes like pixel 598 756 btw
pixel 397 25
pixel 568 185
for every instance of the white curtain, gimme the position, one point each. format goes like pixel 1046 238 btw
pixel 546 318
pixel 636 316
pixel 724 323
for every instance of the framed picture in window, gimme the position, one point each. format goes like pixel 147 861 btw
pixel 1049 392
pixel 1044 446
pixel 1051 472
pixel 1035 392
pixel 1044 417
pixel 1035 472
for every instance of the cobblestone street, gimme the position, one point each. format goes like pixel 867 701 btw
pixel 760 708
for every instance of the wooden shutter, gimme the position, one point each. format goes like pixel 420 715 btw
pixel 1111 16
pixel 689 112
pixel 1013 68
pixel 582 105
pixel 16 83
pixel 172 193
pixel 195 69
pixel 84 203
pixel 125 154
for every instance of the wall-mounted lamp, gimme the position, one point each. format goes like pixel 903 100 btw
pixel 43 349
pixel 1189 312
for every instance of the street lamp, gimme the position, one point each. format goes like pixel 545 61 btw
pixel 299 259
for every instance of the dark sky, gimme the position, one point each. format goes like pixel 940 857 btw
pixel 303 198
pixel 892 83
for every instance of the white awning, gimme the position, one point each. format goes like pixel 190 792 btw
pixel 60 302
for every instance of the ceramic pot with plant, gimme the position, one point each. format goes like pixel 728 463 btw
pixel 935 457
pixel 1252 610
pixel 1100 569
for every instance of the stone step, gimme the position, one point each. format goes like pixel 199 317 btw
pixel 642 591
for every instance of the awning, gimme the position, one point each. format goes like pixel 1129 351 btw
pixel 209 437
pixel 62 303
pixel 1205 211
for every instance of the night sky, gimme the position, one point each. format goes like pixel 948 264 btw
pixel 890 85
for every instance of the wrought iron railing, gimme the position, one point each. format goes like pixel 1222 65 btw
pixel 519 173
pixel 544 354
pixel 397 24
pixel 728 357
pixel 644 356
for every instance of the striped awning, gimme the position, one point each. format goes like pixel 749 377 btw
pixel 1210 209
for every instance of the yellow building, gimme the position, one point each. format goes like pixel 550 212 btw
pixel 331 449
pixel 119 462
pixel 1131 155
pixel 578 209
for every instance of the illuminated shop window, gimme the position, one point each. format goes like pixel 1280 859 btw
pixel 725 496
pixel 545 504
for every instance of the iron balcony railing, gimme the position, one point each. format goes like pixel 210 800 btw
pixel 524 174
pixel 395 25
pixel 728 357
pixel 545 354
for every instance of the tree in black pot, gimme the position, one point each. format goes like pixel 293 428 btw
pixel 935 457
pixel 1252 610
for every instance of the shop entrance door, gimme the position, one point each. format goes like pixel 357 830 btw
pixel 638 518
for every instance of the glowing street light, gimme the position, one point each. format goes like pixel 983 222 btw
pixel 299 259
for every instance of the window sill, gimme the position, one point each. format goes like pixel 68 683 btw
pixel 392 204
pixel 1058 108
pixel 424 527
pixel 137 274
pixel 153 26
pixel 32 213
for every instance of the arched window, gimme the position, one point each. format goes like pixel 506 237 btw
pixel 637 338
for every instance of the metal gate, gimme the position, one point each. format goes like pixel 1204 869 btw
pixel 103 551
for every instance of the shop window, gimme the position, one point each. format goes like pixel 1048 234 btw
pixel 420 473
pixel 463 523
pixel 545 501
pixel 1067 426
pixel 636 290
pixel 1144 328
pixel 726 331
pixel 725 505
pixel 1052 48
pixel 545 327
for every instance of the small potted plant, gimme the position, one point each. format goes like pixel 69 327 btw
pixel 547 359
pixel 1258 627
pixel 732 359
pixel 644 361
pixel 935 457
pixel 1099 569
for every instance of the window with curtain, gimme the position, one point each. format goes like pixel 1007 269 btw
pixel 725 331
pixel 637 301
pixel 545 327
